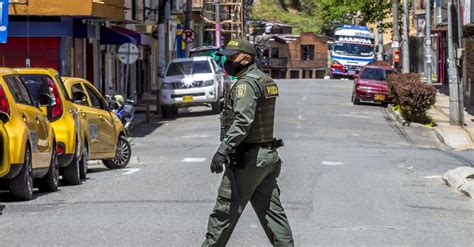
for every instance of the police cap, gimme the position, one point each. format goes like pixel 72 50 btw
pixel 238 45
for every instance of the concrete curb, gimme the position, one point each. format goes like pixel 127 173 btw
pixel 468 189
pixel 453 136
pixel 462 179
pixel 397 117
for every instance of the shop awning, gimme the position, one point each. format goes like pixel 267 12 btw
pixel 110 36
pixel 142 39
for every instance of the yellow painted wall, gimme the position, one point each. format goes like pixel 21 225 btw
pixel 111 9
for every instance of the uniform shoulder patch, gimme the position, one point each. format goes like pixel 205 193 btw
pixel 270 90
pixel 240 90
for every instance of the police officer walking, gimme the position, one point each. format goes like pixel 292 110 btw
pixel 249 152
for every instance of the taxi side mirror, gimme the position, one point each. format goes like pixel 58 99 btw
pixel 79 97
pixel 44 100
pixel 4 117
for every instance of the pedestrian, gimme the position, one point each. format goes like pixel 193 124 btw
pixel 249 152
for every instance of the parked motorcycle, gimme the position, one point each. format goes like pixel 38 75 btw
pixel 124 109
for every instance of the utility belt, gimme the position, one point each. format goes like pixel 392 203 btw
pixel 273 144
pixel 235 158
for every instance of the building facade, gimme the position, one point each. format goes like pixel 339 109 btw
pixel 303 56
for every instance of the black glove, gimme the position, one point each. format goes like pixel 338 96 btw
pixel 217 163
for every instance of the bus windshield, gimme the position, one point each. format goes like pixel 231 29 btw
pixel 351 49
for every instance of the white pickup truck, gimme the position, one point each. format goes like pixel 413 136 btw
pixel 193 81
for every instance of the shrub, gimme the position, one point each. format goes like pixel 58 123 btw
pixel 380 63
pixel 413 96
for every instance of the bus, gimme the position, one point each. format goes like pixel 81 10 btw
pixel 353 48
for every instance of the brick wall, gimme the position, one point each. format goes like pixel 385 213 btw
pixel 320 52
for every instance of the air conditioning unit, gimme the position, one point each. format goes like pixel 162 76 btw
pixel 441 12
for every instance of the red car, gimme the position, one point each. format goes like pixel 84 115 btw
pixel 371 84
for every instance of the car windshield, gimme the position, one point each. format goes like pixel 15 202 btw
pixel 377 74
pixel 37 84
pixel 204 52
pixel 189 68
pixel 354 49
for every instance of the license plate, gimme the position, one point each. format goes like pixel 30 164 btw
pixel 187 98
pixel 379 97
pixel 351 72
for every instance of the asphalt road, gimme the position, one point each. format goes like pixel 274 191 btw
pixel 351 176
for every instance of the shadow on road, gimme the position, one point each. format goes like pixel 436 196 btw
pixel 146 129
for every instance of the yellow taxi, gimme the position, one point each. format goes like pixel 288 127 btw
pixel 104 132
pixel 64 118
pixel 28 141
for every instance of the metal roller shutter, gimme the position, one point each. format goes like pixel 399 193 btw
pixel 43 52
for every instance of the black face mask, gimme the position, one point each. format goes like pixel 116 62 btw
pixel 234 68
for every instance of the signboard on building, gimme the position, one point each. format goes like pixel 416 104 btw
pixel 3 21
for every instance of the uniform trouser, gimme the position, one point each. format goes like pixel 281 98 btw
pixel 256 182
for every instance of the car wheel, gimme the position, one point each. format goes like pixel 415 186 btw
pixel 122 155
pixel 83 164
pixel 49 183
pixel 71 173
pixel 21 186
pixel 216 107
pixel 355 100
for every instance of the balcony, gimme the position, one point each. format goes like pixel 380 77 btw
pixel 278 62
pixel 110 9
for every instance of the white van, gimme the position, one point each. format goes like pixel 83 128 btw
pixel 193 81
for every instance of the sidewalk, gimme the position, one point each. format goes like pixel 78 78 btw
pixel 457 137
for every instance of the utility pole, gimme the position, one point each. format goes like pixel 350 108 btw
pixel 380 41
pixel 379 38
pixel 455 105
pixel 396 30
pixel 218 23
pixel 188 21
pixel 428 56
pixel 406 52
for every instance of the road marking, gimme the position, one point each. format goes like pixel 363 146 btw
pixel 253 226
pixel 331 163
pixel 193 160
pixel 432 177
pixel 305 98
pixel 355 134
pixel 131 170
pixel 194 136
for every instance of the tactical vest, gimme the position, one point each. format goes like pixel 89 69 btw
pixel 261 130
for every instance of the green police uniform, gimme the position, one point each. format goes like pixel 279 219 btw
pixel 250 107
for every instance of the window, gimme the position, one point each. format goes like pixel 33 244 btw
pixel 24 92
pixel 62 88
pixel 78 88
pixel 38 84
pixel 275 52
pixel 307 52
pixel 95 99
pixel 12 85
pixel 375 74
pixel 188 68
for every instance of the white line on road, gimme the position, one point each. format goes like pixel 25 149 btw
pixel 331 163
pixel 130 171
pixel 192 160
pixel 194 136
pixel 432 177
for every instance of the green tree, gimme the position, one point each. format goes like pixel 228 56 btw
pixel 338 12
